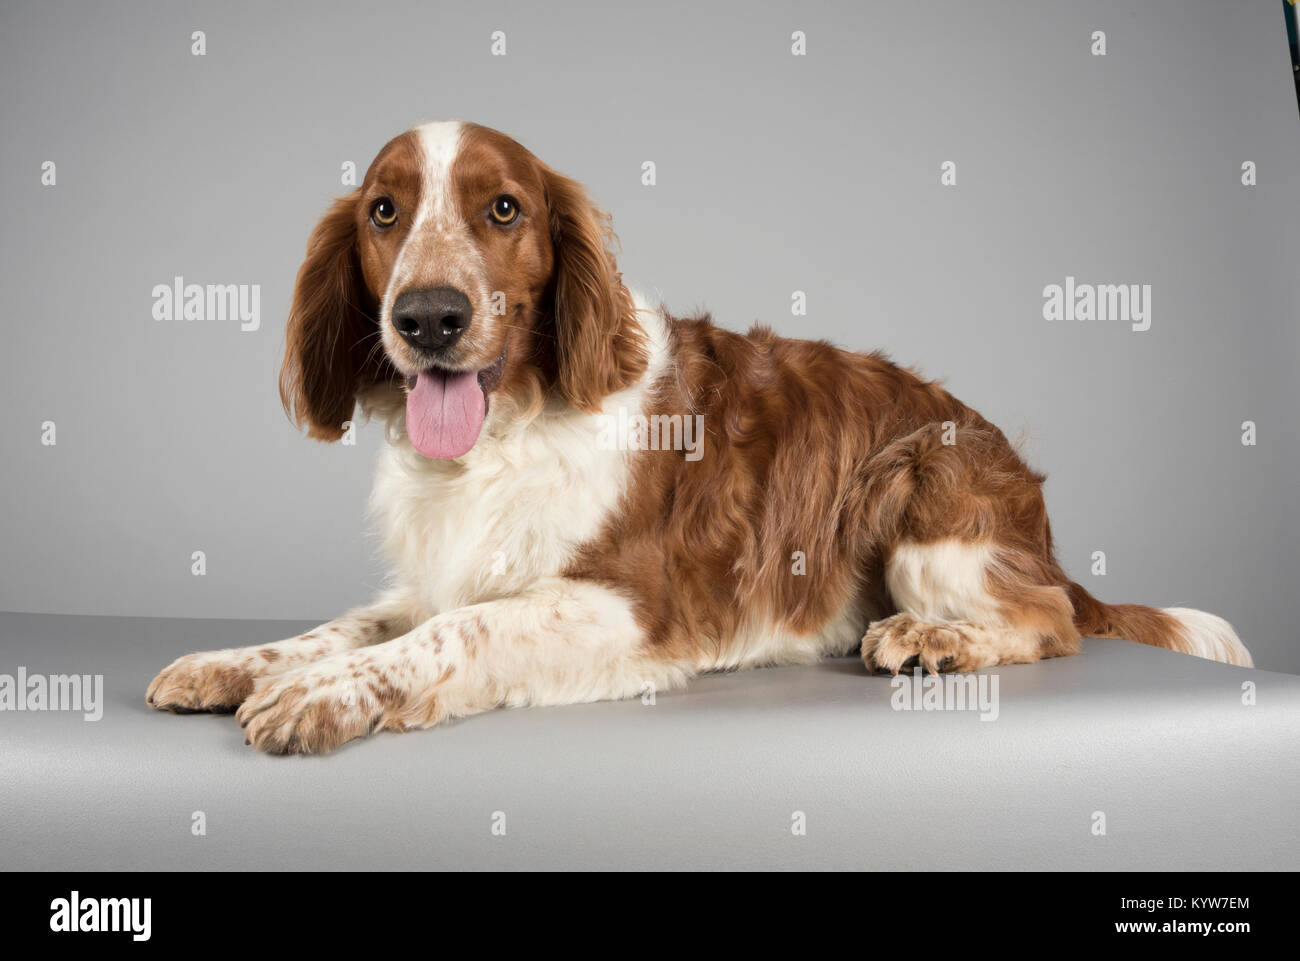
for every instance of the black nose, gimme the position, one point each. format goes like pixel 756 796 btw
pixel 432 317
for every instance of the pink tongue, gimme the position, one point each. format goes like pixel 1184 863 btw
pixel 444 413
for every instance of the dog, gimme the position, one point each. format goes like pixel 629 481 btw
pixel 468 295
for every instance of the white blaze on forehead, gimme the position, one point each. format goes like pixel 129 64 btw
pixel 438 144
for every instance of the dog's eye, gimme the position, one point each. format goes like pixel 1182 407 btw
pixel 504 210
pixel 383 213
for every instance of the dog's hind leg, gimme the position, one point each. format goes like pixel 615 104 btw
pixel 962 607
pixel 968 566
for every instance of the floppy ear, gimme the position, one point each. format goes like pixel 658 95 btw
pixel 327 339
pixel 599 344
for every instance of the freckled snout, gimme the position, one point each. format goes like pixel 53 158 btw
pixel 432 318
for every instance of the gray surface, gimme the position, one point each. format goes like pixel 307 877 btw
pixel 707 778
pixel 776 174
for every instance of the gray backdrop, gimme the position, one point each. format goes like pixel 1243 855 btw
pixel 776 173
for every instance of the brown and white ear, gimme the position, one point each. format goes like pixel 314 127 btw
pixel 599 344
pixel 328 337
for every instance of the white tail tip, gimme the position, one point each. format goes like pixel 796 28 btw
pixel 1208 636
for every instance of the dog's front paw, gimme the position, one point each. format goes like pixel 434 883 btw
pixel 206 681
pixel 309 711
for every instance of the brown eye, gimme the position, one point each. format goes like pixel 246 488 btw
pixel 383 213
pixel 504 210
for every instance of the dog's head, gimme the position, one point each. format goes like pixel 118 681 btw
pixel 467 274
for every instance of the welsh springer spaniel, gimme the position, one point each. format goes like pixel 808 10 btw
pixel 467 295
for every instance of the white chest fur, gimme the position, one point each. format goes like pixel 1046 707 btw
pixel 489 525
pixel 511 511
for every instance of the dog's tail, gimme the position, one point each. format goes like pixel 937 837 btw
pixel 1173 628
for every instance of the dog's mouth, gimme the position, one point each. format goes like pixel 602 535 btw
pixel 445 409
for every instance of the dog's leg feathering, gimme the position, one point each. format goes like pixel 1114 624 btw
pixel 562 642
pixel 221 680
